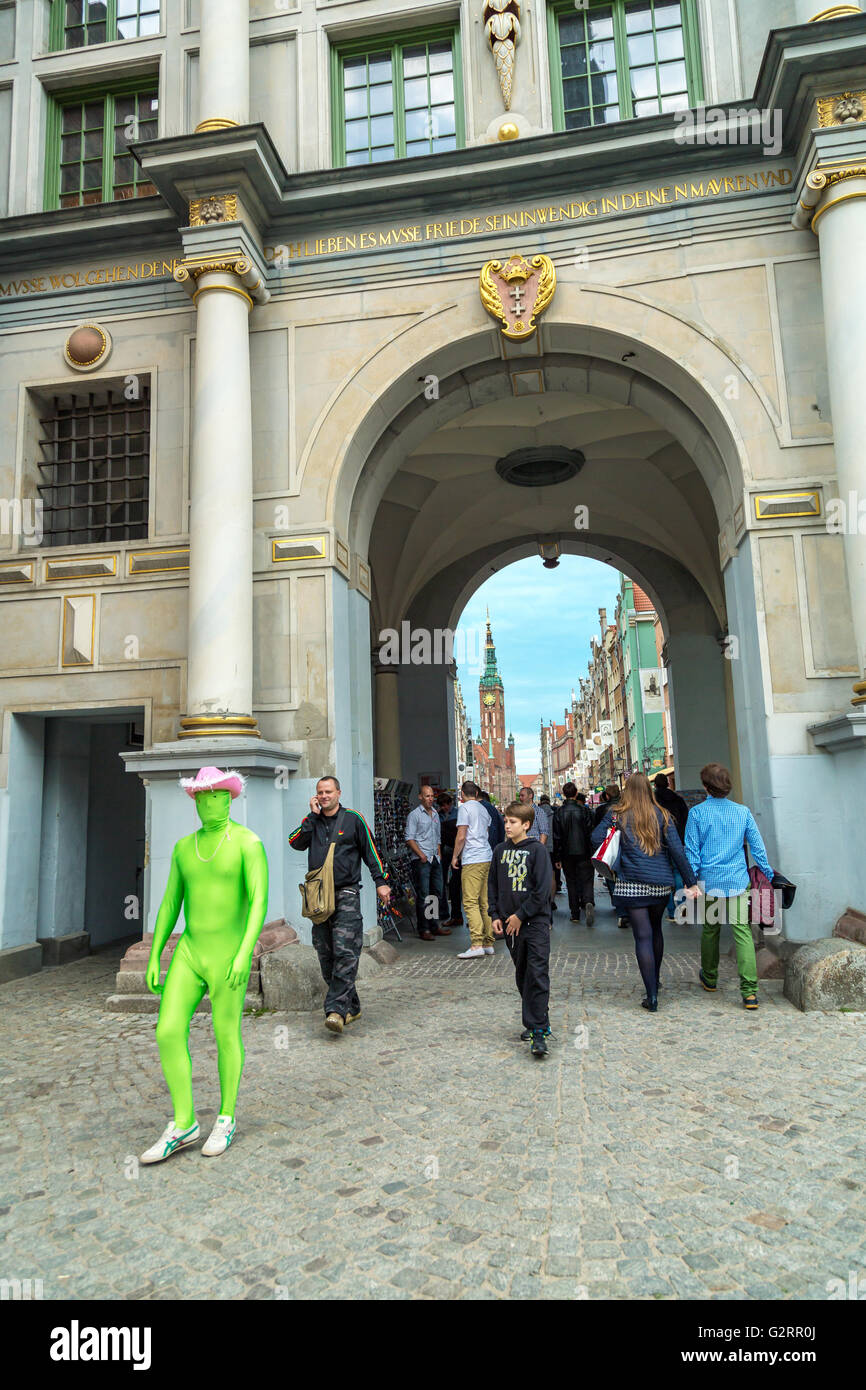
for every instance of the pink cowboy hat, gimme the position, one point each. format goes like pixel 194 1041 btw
pixel 210 779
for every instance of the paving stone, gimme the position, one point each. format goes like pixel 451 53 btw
pixel 383 1165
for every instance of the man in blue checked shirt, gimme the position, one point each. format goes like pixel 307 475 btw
pixel 716 832
pixel 541 826
pixel 424 838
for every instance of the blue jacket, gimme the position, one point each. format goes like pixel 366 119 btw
pixel 637 867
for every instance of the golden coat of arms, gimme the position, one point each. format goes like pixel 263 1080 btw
pixel 517 292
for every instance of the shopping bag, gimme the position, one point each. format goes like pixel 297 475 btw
pixel 606 858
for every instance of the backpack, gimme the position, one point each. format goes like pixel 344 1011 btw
pixel 318 898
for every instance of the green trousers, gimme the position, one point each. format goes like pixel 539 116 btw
pixel 735 911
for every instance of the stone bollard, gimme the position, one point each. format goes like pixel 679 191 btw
pixel 827 975
pixel 292 979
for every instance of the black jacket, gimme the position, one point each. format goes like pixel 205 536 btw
pixel 601 811
pixel 353 844
pixel 572 827
pixel 520 880
pixel 496 829
pixel 675 806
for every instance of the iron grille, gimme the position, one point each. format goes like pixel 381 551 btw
pixel 95 468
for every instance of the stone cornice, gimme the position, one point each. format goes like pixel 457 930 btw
pixel 243 158
pixel 106 229
pixel 798 64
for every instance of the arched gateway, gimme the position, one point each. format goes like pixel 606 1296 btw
pixel 678 434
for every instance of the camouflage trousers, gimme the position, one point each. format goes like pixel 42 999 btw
pixel 338 945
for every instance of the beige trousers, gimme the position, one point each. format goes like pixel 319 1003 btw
pixel 473 885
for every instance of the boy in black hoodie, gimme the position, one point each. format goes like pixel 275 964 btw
pixel 519 898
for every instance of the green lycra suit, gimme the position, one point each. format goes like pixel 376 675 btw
pixel 220 877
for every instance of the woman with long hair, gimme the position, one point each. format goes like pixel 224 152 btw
pixel 650 849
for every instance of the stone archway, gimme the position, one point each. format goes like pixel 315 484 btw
pixel 663 510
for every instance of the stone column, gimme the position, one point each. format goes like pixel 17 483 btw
pixel 224 64
pixel 840 225
pixel 220 647
pixel 386 754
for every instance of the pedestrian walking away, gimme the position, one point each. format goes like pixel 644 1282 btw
pixel 680 812
pixel 519 901
pixel 496 832
pixel 609 797
pixel 649 849
pixel 451 914
pixel 716 832
pixel 424 838
pixel 572 829
pixel 338 940
pixel 472 855
pixel 549 811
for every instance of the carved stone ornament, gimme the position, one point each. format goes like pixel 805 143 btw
pixel 216 207
pixel 847 109
pixel 87 347
pixel 516 293
pixel 502 27
pixel 819 179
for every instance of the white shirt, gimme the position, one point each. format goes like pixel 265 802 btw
pixel 476 849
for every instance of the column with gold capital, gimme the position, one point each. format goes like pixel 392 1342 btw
pixel 839 221
pixel 220 650
pixel 224 64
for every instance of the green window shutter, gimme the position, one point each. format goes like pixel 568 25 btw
pixel 398 97
pixel 617 59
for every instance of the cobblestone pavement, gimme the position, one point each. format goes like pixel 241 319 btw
pixel 699 1152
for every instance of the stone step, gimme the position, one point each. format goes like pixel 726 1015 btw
pixel 148 1003
pixel 852 926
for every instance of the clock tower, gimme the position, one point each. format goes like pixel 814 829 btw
pixel 499 748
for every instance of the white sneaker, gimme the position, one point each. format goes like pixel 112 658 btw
pixel 489 951
pixel 170 1141
pixel 471 954
pixel 220 1136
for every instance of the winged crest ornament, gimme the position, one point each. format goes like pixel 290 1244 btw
pixel 517 292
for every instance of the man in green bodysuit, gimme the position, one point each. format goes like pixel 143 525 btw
pixel 219 875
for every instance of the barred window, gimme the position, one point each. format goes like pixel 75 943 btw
pixel 94 466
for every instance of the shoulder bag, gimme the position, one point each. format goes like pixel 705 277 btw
pixel 607 856
pixel 318 897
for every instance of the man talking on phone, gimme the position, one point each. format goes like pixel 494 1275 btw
pixel 338 940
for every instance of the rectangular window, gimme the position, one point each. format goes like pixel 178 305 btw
pixel 78 23
pixel 397 98
pixel 94 466
pixel 615 59
pixel 88 158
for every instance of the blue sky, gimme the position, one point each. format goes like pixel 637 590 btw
pixel 542 622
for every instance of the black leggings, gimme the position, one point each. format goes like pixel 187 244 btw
pixel 649 943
